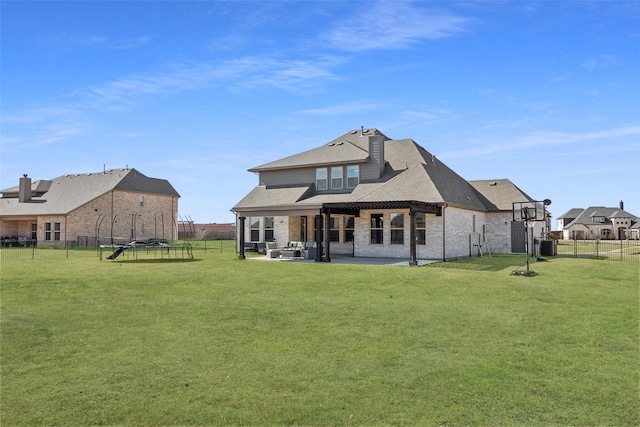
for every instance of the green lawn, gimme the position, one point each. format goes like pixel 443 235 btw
pixel 220 341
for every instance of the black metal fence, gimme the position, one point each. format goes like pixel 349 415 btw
pixel 619 250
pixel 33 250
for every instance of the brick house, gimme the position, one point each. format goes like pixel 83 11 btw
pixel 113 206
pixel 366 195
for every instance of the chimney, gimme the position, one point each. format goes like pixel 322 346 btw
pixel 24 191
pixel 376 152
pixel 621 205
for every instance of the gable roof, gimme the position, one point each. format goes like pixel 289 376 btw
pixel 412 174
pixel 587 215
pixel 571 213
pixel 65 193
pixel 501 193
pixel 351 147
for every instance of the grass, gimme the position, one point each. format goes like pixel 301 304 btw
pixel 220 341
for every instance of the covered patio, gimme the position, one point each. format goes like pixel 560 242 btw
pixel 322 224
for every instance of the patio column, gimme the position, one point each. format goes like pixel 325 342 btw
pixel 318 237
pixel 412 238
pixel 242 219
pixel 327 237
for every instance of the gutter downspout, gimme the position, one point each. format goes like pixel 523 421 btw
pixel 112 218
pixel 444 240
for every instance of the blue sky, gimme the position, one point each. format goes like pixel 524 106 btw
pixel 546 94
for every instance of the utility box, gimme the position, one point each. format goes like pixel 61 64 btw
pixel 547 248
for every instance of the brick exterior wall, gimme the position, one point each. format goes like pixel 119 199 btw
pixel 460 224
pixel 154 218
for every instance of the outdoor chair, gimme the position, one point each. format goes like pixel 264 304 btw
pixel 272 250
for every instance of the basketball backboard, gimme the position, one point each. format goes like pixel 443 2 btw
pixel 528 211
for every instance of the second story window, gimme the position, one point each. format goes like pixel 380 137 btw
pixel 353 176
pixel 336 177
pixel 321 179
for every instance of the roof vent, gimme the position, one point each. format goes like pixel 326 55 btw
pixel 353 132
pixel 493 183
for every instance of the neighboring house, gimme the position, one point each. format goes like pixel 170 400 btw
pixel 114 206
pixel 598 222
pixel 366 195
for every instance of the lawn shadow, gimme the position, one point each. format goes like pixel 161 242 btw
pixel 486 263
pixel 156 260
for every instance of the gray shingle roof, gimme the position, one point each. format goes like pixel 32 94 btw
pixel 65 193
pixel 587 215
pixel 345 149
pixel 501 193
pixel 412 174
pixel 571 213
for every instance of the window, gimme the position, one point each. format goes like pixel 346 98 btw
pixel 598 219
pixel 47 231
pixel 56 231
pixel 348 228
pixel 268 229
pixel 34 231
pixel 377 223
pixel 255 228
pixel 334 229
pixel 421 232
pixel 397 229
pixel 141 200
pixel 321 179
pixel 336 177
pixel 353 176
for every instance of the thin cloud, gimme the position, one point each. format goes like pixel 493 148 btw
pixel 131 43
pixel 601 61
pixel 543 139
pixel 393 25
pixel 36 115
pixel 349 108
pixel 71 39
pixel 248 72
pixel 50 135
pixel 124 93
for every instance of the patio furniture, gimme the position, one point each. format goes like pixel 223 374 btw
pixel 272 250
pixel 293 250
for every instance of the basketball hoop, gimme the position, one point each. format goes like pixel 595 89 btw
pixel 531 223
